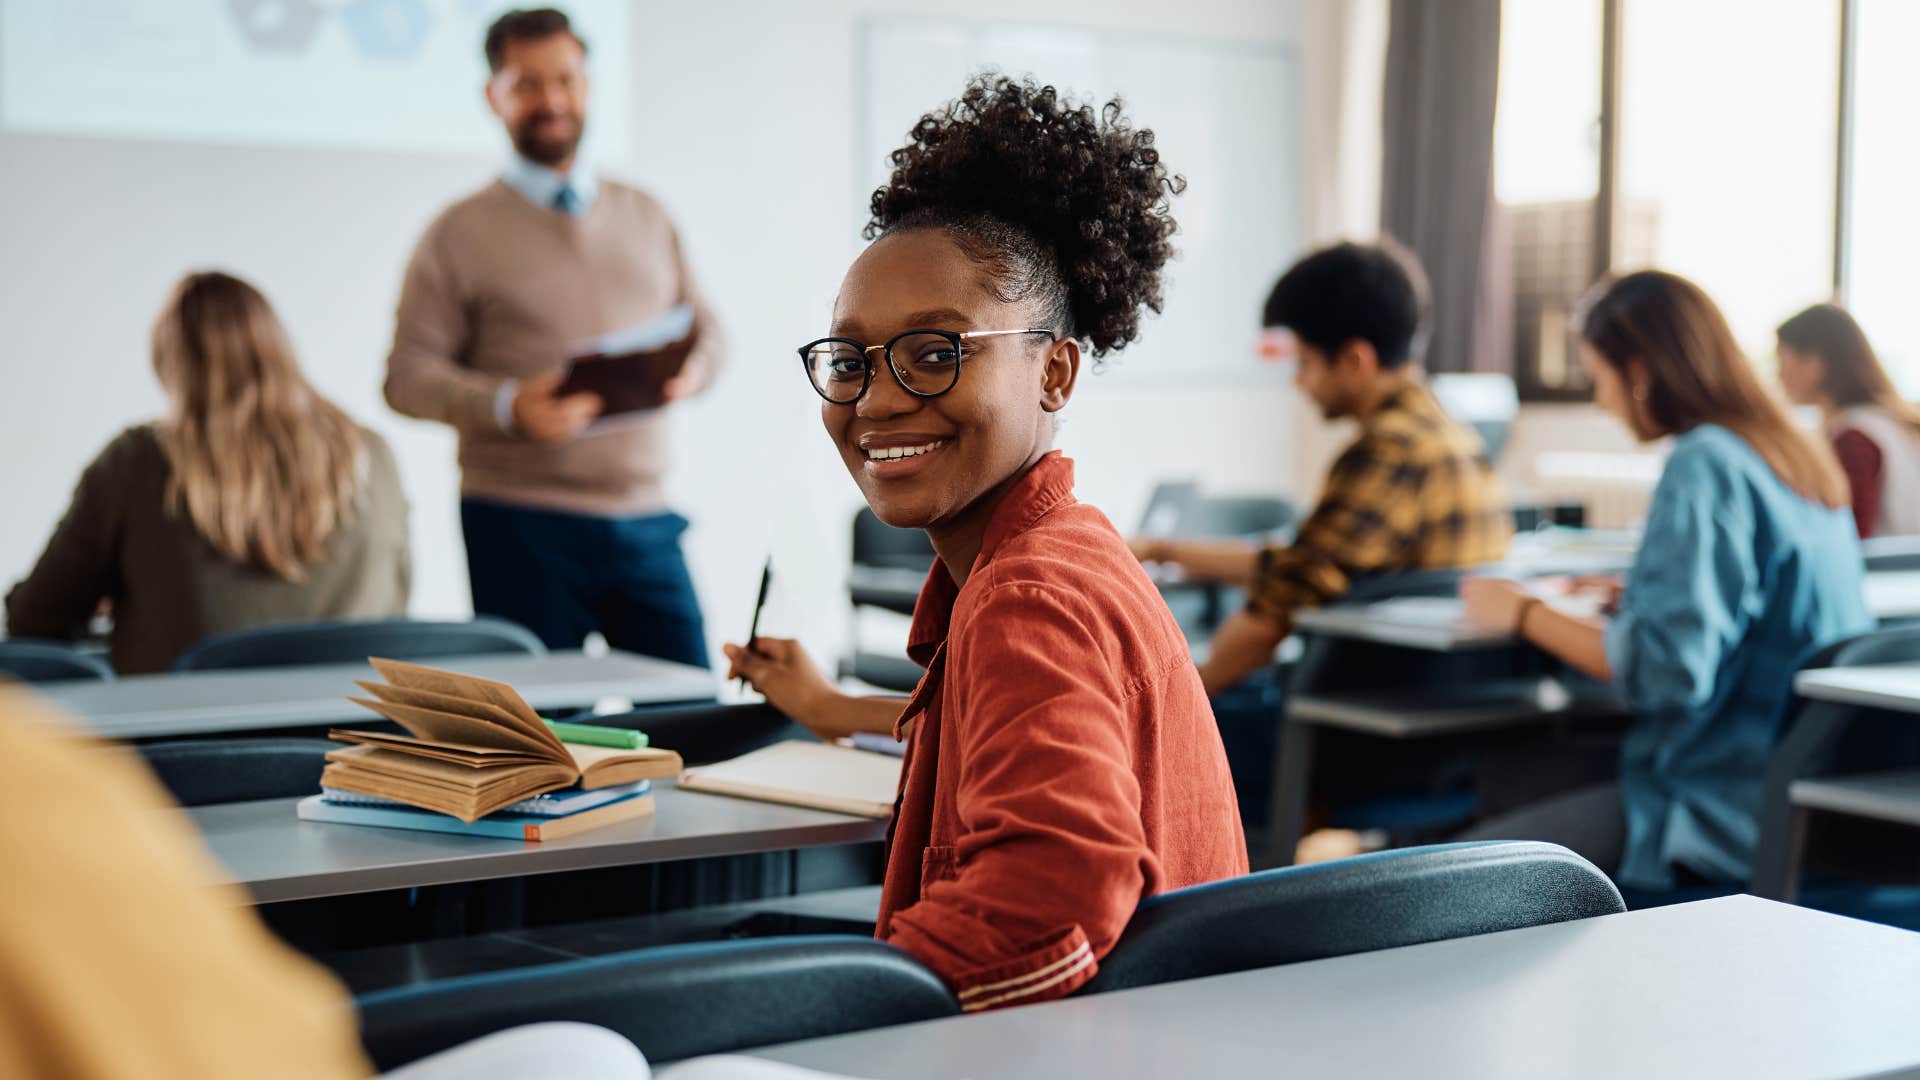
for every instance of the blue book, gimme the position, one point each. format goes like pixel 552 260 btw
pixel 501 824
pixel 553 804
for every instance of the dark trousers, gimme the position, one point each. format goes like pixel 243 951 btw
pixel 564 576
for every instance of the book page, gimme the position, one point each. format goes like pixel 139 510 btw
pixel 420 677
pixel 459 706
pixel 433 725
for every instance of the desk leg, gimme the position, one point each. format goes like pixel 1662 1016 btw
pixel 1292 779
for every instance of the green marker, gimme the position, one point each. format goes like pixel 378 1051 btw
pixel 594 735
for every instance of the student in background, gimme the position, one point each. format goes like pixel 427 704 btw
pixel 1747 566
pixel 1825 360
pixel 253 501
pixel 1413 492
pixel 123 955
pixel 1063 762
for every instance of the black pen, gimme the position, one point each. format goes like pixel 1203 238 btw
pixel 753 632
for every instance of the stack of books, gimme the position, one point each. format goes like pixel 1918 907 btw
pixel 477 759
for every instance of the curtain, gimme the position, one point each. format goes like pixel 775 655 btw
pixel 1436 185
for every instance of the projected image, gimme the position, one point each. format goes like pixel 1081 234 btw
pixel 375 74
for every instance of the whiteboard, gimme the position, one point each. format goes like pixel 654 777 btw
pixel 1225 114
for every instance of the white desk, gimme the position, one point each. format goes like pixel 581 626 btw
pixel 1891 686
pixel 276 856
pixel 1732 987
pixel 260 699
pixel 1434 623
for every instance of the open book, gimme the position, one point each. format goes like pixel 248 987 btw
pixel 474 747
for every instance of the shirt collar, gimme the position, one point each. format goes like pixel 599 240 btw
pixel 1413 397
pixel 1047 486
pixel 538 184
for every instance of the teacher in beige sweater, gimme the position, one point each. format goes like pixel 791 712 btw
pixel 567 529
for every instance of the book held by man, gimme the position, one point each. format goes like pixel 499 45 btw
pixel 473 747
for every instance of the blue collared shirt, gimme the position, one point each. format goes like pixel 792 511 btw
pixel 540 185
pixel 1738 581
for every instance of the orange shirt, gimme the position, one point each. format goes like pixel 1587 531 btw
pixel 1063 764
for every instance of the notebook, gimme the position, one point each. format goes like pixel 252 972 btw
pixel 473 747
pixel 819 776
pixel 630 368
pixel 501 824
pixel 553 804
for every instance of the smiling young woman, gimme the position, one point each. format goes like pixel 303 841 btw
pixel 1062 760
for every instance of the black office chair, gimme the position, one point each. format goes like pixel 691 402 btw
pixel 352 642
pixel 34 661
pixel 1830 738
pixel 703 734
pixel 674 1002
pixel 889 566
pixel 200 772
pixel 1379 901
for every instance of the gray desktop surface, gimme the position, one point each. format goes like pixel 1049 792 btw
pixel 261 699
pixel 1895 687
pixel 1730 987
pixel 276 856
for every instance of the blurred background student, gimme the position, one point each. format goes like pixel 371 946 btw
pixel 1826 361
pixel 254 501
pixel 1748 566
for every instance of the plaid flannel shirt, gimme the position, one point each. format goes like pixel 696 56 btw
pixel 1413 492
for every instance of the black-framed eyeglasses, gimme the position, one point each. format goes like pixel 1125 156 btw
pixel 926 362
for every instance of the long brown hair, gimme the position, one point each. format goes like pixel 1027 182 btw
pixel 264 467
pixel 1697 375
pixel 1852 373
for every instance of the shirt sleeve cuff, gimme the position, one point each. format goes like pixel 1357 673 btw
pixel 503 404
pixel 1052 967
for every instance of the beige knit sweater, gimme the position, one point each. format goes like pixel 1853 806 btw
pixel 500 289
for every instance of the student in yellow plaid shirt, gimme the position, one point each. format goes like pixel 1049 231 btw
pixel 1413 492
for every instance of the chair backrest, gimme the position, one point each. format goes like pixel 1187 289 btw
pixel 199 772
pixel 1368 588
pixel 1229 516
pixel 674 1002
pixel 34 661
pixel 1819 737
pixel 703 734
pixel 876 543
pixel 1378 901
pixel 350 642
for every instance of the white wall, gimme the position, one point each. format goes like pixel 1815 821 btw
pixel 745 121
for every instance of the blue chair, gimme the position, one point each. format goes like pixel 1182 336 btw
pixel 199 772
pixel 34 661
pixel 352 642
pixel 673 1002
pixel 1378 901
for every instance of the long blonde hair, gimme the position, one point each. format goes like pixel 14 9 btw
pixel 1698 375
pixel 264 467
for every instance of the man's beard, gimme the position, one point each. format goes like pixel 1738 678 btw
pixel 548 152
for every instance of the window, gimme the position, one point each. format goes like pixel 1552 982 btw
pixel 1728 121
pixel 1546 169
pixel 1705 137
pixel 1882 224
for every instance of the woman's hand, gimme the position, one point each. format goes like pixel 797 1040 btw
pixel 782 671
pixel 1148 548
pixel 1495 603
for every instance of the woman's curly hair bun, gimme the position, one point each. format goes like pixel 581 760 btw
pixel 1066 203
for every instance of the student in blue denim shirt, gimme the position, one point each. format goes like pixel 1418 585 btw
pixel 1748 565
